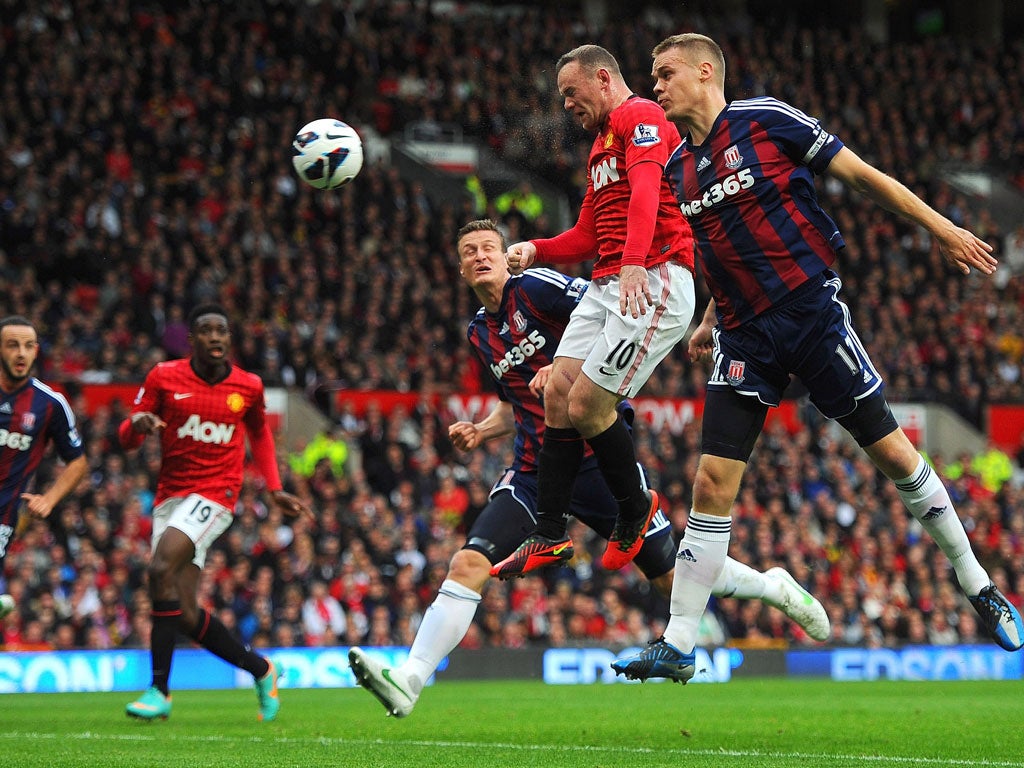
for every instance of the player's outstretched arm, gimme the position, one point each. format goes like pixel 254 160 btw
pixel 959 247
pixel 576 244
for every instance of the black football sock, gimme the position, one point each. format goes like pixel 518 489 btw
pixel 211 633
pixel 561 454
pixel 165 615
pixel 616 458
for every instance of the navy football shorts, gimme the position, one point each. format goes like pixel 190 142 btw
pixel 510 516
pixel 810 336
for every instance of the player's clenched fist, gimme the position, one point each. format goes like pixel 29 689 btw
pixel 464 435
pixel 520 256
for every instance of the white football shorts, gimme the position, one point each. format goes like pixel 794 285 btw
pixel 197 517
pixel 620 353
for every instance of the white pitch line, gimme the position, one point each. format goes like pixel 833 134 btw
pixel 821 757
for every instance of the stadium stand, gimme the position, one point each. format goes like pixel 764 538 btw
pixel 145 169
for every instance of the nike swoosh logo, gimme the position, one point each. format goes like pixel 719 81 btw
pixel 386 673
pixel 559 550
pixel 182 396
pixel 334 135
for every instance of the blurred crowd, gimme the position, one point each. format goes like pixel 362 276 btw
pixel 145 168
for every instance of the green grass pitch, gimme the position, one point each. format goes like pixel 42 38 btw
pixel 766 723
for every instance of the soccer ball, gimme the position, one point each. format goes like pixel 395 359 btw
pixel 327 153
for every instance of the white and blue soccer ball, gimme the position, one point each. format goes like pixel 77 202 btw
pixel 327 153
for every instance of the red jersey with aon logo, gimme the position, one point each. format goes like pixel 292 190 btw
pixel 635 132
pixel 203 444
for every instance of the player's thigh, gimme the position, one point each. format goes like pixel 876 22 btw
pixel 584 325
pixel 731 423
pixel 594 506
pixel 508 518
pixel 628 349
pixel 836 367
pixel 200 519
pixel 748 362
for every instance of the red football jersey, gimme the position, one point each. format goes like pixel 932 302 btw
pixel 203 443
pixel 636 131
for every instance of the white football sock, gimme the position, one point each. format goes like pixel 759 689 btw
pixel 699 562
pixel 444 625
pixel 928 501
pixel 741 581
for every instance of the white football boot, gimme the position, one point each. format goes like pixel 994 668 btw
pixel 799 604
pixel 396 690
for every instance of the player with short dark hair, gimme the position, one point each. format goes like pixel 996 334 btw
pixel 32 415
pixel 202 407
pixel 515 334
pixel 638 308
pixel 744 177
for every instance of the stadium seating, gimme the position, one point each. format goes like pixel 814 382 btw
pixel 145 168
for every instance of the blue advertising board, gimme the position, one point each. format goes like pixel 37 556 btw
pixel 193 669
pixel 919 662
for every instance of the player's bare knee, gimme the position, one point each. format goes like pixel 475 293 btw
pixel 714 487
pixel 556 403
pixel 470 568
pixel 592 410
pixel 894 455
pixel 582 416
pixel 161 576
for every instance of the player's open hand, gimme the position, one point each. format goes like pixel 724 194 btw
pixel 465 435
pixel 964 249
pixel 634 290
pixel 520 256
pixel 291 505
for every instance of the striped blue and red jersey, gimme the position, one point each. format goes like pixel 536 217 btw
pixel 30 418
pixel 748 193
pixel 520 339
